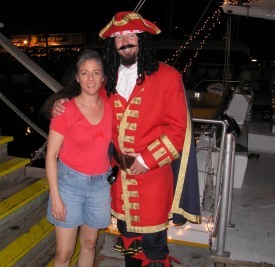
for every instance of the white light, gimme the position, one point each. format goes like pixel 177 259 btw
pixel 197 95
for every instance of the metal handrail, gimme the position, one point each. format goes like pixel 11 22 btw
pixel 224 185
pixel 224 125
pixel 225 197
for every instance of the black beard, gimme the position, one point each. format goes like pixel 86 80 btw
pixel 128 61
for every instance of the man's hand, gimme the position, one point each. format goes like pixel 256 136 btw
pixel 58 107
pixel 137 168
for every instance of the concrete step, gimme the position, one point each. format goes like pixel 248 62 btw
pixel 28 197
pixel 24 230
pixel 13 170
pixel 189 256
pixel 100 243
pixel 27 238
pixel 24 247
pixel 4 140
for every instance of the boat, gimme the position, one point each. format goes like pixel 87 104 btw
pixel 235 155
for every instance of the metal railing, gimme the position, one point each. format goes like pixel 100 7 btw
pixel 224 185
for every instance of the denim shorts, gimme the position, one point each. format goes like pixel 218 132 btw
pixel 87 199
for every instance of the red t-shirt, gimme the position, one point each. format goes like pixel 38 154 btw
pixel 85 146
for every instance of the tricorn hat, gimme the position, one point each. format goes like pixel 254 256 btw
pixel 128 21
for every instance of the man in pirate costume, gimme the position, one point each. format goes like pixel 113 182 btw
pixel 153 143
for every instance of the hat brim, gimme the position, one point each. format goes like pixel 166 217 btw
pixel 128 21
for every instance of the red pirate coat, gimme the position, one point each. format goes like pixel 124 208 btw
pixel 153 123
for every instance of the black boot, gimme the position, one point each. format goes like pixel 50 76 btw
pixel 131 262
pixel 155 264
pixel 158 264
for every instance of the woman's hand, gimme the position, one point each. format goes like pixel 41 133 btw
pixel 58 209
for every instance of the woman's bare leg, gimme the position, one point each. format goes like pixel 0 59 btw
pixel 65 245
pixel 88 241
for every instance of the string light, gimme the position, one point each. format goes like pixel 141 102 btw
pixel 273 99
pixel 189 233
pixel 211 21
pixel 237 2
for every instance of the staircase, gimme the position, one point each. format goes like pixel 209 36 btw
pixel 27 239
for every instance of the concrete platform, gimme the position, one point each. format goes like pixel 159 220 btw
pixel 250 237
pixel 260 137
pixel 189 256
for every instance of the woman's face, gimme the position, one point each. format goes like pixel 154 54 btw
pixel 90 76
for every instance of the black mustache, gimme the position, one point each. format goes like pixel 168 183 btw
pixel 127 46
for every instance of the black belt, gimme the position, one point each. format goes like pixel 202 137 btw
pixel 124 161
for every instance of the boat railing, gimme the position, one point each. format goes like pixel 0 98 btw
pixel 229 85
pixel 223 190
pixel 40 73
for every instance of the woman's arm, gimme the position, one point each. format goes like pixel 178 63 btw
pixel 55 141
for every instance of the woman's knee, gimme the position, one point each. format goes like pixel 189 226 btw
pixel 88 237
pixel 62 256
pixel 88 242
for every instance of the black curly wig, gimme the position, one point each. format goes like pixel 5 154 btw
pixel 147 62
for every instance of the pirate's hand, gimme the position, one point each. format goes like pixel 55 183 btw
pixel 58 107
pixel 138 167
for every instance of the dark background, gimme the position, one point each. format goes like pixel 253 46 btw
pixel 177 19
pixel 91 16
pixel 38 17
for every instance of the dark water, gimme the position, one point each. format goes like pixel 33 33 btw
pixel 28 100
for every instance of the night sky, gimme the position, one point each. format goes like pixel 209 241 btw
pixel 30 17
pixel 39 17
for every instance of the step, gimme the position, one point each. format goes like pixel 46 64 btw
pixel 27 238
pixel 19 251
pixel 46 257
pixel 35 171
pixel 13 164
pixel 74 257
pixel 4 140
pixel 24 230
pixel 13 170
pixel 24 200
pixel 23 233
pixel 100 243
pixel 24 204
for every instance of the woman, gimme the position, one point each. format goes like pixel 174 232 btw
pixel 78 164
